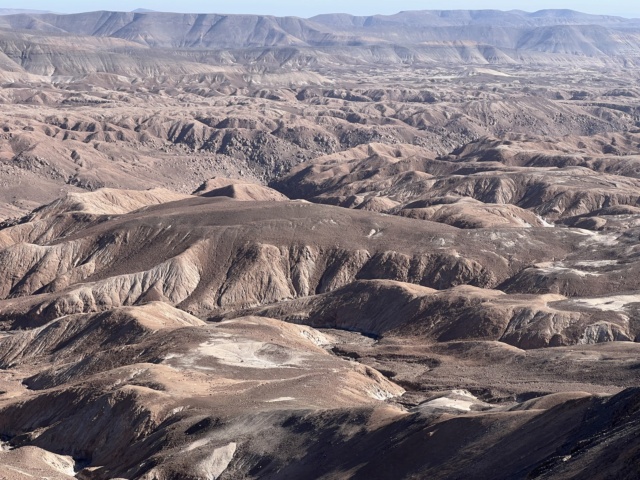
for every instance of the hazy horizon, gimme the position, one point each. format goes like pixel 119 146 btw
pixel 355 7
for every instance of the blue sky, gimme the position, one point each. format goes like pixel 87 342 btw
pixel 629 8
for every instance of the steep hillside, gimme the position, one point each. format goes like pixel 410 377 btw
pixel 325 332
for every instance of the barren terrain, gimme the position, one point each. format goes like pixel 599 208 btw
pixel 341 247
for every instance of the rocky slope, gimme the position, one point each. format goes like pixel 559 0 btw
pixel 96 327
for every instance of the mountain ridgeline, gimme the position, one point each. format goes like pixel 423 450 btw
pixel 498 37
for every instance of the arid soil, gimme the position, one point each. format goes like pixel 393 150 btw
pixel 238 247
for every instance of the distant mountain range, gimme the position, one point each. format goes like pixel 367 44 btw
pixel 554 30
pixel 450 18
pixel 454 36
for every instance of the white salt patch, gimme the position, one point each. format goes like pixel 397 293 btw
pixel 215 464
pixel 374 233
pixel 550 267
pixel 378 393
pixel 198 444
pixel 250 354
pixel 607 304
pixel 544 222
pixel 281 399
pixel 172 356
pixel 314 336
pixel 62 464
pixel 446 402
pixel 489 71
pixel 582 231
pixel 464 393
pixel 606 240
